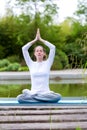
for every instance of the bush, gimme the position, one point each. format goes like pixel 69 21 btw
pixel 4 63
pixel 13 67
pixel 60 60
pixel 3 69
pixel 2 54
pixel 23 68
pixel 13 58
pixel 57 65
pixel 63 58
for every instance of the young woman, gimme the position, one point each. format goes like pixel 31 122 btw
pixel 39 71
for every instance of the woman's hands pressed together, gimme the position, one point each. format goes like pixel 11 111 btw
pixel 38 34
pixel 38 37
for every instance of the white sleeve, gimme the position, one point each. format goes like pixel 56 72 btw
pixel 51 53
pixel 26 55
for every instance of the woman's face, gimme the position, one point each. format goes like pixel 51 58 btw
pixel 39 53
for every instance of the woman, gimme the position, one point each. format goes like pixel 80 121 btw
pixel 39 71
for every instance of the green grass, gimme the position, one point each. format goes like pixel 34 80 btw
pixel 78 128
pixel 66 90
pixel 11 90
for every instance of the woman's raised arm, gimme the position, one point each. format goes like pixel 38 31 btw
pixel 25 48
pixel 50 46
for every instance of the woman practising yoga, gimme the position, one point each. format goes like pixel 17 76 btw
pixel 39 71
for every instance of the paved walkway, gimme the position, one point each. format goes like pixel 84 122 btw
pixel 43 117
pixel 60 74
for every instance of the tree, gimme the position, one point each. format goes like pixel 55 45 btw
pixel 82 10
pixel 44 9
pixel 76 45
pixel 12 34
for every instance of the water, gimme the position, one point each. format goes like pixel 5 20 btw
pixel 67 88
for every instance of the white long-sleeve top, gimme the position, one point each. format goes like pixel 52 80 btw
pixel 39 70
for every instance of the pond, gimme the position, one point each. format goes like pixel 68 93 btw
pixel 67 88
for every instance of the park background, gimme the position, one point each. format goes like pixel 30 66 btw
pixel 69 36
pixel 70 39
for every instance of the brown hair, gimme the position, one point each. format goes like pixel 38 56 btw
pixel 45 56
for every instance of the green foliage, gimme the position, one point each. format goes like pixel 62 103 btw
pixel 4 63
pixel 66 26
pixel 78 128
pixel 23 68
pixel 75 46
pixel 63 58
pixel 2 54
pixel 69 37
pixel 10 90
pixel 45 8
pixel 74 54
pixel 13 58
pixel 60 60
pixel 82 10
pixel 8 32
pixel 57 65
pixel 13 67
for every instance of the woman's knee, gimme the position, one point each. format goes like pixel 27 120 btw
pixel 20 98
pixel 48 97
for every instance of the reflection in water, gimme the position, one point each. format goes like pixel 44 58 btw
pixel 67 88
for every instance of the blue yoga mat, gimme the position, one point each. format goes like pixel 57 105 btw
pixel 61 102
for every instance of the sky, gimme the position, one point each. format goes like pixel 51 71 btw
pixel 67 8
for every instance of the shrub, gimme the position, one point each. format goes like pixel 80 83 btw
pixel 23 68
pixel 57 65
pixel 60 60
pixel 13 58
pixel 13 67
pixel 2 54
pixel 3 69
pixel 63 58
pixel 4 63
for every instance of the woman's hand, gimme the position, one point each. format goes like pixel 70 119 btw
pixel 38 37
pixel 38 34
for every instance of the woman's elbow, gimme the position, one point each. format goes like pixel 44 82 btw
pixel 54 47
pixel 23 49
